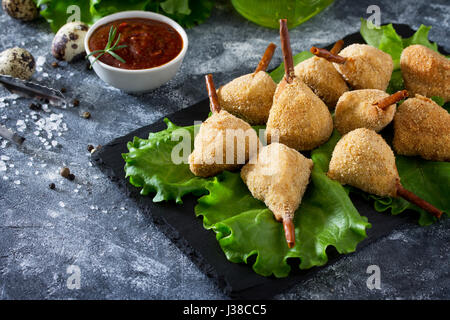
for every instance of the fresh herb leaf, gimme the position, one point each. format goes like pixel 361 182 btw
pixel 109 48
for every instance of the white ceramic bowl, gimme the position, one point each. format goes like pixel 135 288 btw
pixel 141 80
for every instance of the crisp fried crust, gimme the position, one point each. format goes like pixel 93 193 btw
pixel 425 72
pixel 364 160
pixel 355 109
pixel 248 97
pixel 323 79
pixel 278 177
pixel 300 119
pixel 422 128
pixel 211 148
pixel 366 67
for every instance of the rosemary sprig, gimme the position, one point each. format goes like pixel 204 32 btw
pixel 110 47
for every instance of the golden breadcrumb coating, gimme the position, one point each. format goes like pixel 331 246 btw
pixel 298 117
pixel 248 97
pixel 366 67
pixel 364 160
pixel 211 149
pixel 425 72
pixel 422 128
pixel 355 109
pixel 323 79
pixel 279 177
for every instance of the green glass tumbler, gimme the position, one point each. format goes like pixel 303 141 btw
pixel 267 13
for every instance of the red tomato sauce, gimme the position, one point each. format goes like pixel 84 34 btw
pixel 150 43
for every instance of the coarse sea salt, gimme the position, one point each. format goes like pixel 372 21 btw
pixel 40 61
pixel 2 166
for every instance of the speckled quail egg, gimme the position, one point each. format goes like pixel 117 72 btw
pixel 68 43
pixel 18 63
pixel 25 10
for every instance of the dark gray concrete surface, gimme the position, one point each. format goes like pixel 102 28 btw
pixel 91 224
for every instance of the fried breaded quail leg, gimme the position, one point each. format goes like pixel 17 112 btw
pixel 223 142
pixel 366 108
pixel 364 160
pixel 422 128
pixel 279 177
pixel 425 72
pixel 322 77
pixel 298 118
pixel 361 65
pixel 250 96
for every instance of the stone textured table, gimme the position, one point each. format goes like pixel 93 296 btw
pixel 91 224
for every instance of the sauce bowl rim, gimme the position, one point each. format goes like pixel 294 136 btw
pixel 142 15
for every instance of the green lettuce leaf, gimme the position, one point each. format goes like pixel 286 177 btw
pixel 187 13
pixel 245 227
pixel 396 83
pixel 384 38
pixel 102 8
pixel 149 165
pixel 176 6
pixel 427 179
pixel 421 37
pixel 56 14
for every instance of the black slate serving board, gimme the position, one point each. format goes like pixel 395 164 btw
pixel 178 222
